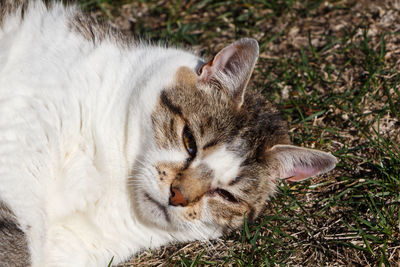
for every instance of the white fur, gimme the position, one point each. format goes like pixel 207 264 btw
pixel 74 118
pixel 225 164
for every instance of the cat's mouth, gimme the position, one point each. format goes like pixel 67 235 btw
pixel 161 207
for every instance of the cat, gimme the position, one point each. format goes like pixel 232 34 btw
pixel 110 146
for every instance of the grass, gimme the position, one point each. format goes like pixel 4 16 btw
pixel 333 69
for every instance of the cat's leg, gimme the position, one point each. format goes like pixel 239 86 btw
pixel 75 241
pixel 13 241
pixel 64 249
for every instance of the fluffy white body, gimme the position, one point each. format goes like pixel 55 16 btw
pixel 108 148
pixel 72 119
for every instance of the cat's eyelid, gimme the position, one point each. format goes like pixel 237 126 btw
pixel 225 194
pixel 210 144
pixel 236 180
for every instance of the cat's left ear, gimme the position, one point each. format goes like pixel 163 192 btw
pixel 294 163
pixel 231 68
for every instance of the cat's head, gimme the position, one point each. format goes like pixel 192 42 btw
pixel 218 149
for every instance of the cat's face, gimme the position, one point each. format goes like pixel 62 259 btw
pixel 210 172
pixel 215 155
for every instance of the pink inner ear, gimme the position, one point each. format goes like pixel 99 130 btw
pixel 299 173
pixel 297 164
pixel 217 63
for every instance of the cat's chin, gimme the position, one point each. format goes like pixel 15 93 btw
pixel 158 210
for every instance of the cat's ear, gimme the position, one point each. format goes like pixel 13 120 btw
pixel 297 163
pixel 231 68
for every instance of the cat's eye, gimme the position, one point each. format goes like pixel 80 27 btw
pixel 226 195
pixel 189 142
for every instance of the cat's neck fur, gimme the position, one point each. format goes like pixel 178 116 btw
pixel 113 79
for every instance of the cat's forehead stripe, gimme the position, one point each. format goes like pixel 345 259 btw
pixel 168 104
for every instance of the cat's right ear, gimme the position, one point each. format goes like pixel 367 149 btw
pixel 231 68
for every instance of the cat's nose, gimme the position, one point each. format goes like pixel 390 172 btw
pixel 176 197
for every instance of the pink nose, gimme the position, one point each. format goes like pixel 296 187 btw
pixel 176 198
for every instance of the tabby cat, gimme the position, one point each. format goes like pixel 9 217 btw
pixel 110 146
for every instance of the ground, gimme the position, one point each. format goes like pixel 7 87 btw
pixel 333 68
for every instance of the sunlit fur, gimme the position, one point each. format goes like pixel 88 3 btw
pixel 91 141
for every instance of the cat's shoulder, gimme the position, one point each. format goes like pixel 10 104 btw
pixel 73 17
